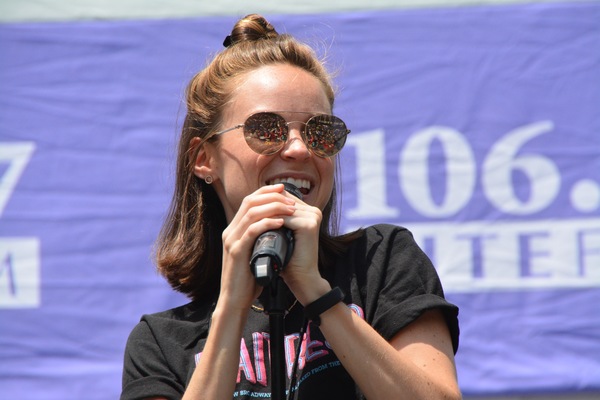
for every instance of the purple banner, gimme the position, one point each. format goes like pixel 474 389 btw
pixel 476 128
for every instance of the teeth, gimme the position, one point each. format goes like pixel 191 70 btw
pixel 299 183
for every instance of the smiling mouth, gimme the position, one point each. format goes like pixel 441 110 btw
pixel 302 184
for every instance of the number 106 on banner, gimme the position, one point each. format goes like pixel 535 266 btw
pixel 504 159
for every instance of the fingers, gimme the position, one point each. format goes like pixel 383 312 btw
pixel 269 208
pixel 265 209
pixel 260 211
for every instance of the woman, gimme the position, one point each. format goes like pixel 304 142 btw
pixel 260 115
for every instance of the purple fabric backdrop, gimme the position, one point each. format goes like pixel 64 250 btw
pixel 477 128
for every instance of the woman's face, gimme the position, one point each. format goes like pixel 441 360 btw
pixel 238 171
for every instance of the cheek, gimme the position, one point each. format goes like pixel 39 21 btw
pixel 327 179
pixel 238 173
pixel 328 168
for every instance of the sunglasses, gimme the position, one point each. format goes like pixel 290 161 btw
pixel 267 132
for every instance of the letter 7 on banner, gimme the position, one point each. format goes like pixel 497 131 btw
pixel 18 155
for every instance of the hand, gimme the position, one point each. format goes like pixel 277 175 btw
pixel 302 274
pixel 261 211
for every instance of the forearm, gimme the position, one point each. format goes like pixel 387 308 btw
pixel 216 372
pixel 380 370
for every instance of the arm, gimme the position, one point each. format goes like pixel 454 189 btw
pixel 417 363
pixel 216 372
pixel 215 375
pixel 221 356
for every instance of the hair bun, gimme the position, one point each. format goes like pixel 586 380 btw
pixel 250 28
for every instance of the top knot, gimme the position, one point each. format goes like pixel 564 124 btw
pixel 250 28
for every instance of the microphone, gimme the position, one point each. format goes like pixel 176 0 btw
pixel 273 249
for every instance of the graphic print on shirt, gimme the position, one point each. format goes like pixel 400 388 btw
pixel 316 357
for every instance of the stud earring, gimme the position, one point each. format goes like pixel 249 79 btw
pixel 208 180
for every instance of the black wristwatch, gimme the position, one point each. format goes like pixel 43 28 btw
pixel 313 311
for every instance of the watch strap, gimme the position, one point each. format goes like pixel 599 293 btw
pixel 322 304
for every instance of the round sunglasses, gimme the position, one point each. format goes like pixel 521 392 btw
pixel 267 132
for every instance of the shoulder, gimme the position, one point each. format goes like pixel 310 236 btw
pixel 387 258
pixel 160 352
pixel 394 281
pixel 381 251
pixel 385 240
pixel 183 324
pixel 188 312
pixel 387 232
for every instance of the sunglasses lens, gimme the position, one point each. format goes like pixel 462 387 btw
pixel 266 133
pixel 326 135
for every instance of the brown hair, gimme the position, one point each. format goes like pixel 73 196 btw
pixel 189 247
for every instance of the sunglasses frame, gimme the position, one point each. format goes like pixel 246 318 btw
pixel 305 136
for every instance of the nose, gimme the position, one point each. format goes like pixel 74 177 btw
pixel 295 148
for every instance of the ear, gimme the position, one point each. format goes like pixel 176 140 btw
pixel 204 164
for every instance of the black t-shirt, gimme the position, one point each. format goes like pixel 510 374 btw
pixel 387 280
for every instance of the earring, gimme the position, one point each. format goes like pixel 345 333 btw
pixel 208 180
